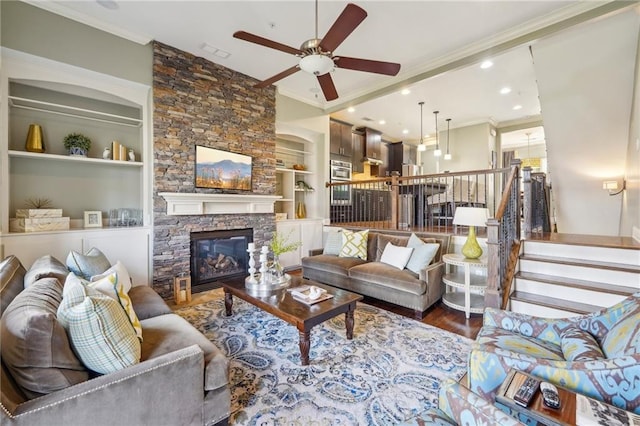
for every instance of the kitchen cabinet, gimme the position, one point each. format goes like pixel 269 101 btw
pixel 373 139
pixel 401 153
pixel 340 139
pixel 357 139
pixel 371 205
pixel 383 169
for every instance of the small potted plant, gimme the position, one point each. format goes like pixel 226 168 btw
pixel 279 245
pixel 77 144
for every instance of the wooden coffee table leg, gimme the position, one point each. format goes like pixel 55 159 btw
pixel 228 302
pixel 349 320
pixel 305 344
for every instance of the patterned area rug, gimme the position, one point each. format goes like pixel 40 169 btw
pixel 389 372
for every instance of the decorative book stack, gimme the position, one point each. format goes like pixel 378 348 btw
pixel 33 220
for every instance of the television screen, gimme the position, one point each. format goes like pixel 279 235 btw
pixel 222 169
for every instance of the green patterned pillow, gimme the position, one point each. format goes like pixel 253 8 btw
pixel 98 328
pixel 354 244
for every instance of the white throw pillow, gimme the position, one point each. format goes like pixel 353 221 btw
pixel 396 256
pixel 98 328
pixel 123 275
pixel 333 244
pixel 423 254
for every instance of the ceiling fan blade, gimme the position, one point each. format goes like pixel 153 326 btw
pixel 327 86
pixel 367 65
pixel 277 77
pixel 243 35
pixel 348 20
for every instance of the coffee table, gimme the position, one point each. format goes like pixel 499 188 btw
pixel 282 304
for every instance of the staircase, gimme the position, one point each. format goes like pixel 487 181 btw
pixel 564 275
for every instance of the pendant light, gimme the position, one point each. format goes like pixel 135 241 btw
pixel 437 152
pixel 447 156
pixel 422 146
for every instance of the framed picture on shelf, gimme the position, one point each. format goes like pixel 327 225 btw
pixel 93 219
pixel 222 169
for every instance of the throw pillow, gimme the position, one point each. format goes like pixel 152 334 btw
pixel 113 286
pixel 98 327
pixel 579 345
pixel 624 336
pixel 333 244
pixel 396 256
pixel 89 264
pixel 35 347
pixel 354 244
pixel 422 255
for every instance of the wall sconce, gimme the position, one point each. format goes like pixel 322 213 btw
pixel 612 186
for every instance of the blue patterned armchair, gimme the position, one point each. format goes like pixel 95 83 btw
pixel 596 354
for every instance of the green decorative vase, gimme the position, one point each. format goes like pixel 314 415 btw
pixel 471 248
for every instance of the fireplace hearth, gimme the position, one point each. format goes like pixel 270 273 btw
pixel 217 256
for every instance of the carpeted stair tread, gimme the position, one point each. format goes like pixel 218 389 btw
pixel 554 303
pixel 576 283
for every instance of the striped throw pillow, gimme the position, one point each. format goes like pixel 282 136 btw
pixel 99 329
pixel 354 244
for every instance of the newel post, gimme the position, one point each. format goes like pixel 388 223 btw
pixel 492 298
pixel 395 185
pixel 527 206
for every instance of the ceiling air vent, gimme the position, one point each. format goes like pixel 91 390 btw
pixel 367 119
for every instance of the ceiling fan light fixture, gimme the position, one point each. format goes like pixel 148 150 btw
pixel 316 64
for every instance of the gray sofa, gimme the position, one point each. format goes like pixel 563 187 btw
pixel 378 280
pixel 182 378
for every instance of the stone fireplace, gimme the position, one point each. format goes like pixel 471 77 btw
pixel 197 102
pixel 218 255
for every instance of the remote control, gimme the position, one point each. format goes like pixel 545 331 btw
pixel 550 396
pixel 525 393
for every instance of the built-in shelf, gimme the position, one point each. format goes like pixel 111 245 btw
pixel 57 157
pixel 291 150
pixel 70 111
pixel 301 172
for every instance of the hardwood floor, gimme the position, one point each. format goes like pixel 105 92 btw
pixel 440 316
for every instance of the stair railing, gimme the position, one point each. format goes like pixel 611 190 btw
pixel 503 234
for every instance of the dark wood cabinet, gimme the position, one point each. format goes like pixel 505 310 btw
pixel 401 153
pixel 383 169
pixel 340 139
pixel 371 205
pixel 373 139
pixel 357 142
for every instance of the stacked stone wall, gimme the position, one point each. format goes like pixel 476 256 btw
pixel 197 102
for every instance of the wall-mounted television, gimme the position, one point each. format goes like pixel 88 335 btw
pixel 222 169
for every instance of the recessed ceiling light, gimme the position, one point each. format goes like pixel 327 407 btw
pixel 382 122
pixel 108 4
pixel 405 132
pixel 486 64
pixel 351 109
pixel 505 90
pixel 517 107
pixel 405 91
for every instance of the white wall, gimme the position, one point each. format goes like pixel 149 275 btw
pixel 630 220
pixel 585 81
pixel 470 149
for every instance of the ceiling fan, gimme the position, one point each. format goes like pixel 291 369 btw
pixel 316 55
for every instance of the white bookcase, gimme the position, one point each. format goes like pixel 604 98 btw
pixel 65 99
